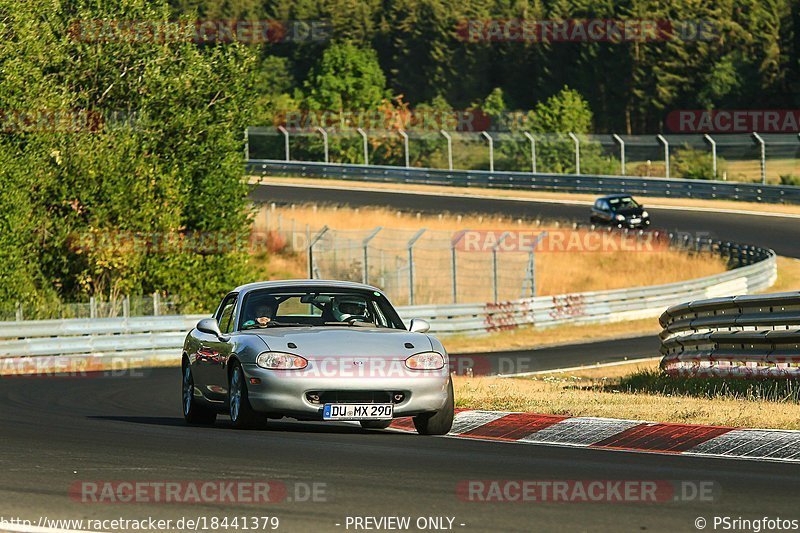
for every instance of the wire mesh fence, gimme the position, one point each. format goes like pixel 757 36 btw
pixel 752 157
pixel 419 266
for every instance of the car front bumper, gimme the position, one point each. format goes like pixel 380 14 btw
pixel 283 392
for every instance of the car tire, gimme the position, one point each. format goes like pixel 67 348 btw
pixel 241 412
pixel 375 424
pixel 193 411
pixel 440 422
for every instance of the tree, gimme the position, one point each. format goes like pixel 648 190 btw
pixel 146 195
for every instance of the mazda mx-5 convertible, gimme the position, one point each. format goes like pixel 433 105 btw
pixel 315 350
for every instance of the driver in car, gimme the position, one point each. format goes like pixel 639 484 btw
pixel 263 314
pixel 349 308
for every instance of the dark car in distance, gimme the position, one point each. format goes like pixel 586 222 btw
pixel 619 210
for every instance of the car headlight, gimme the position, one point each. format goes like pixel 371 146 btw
pixel 280 361
pixel 425 361
pixel 620 217
pixel 645 214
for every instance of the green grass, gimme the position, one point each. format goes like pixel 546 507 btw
pixel 657 382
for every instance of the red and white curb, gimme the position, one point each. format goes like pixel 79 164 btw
pixel 624 435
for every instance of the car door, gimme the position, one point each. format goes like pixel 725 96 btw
pixel 212 354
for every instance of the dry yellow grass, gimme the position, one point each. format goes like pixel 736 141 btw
pixel 590 393
pixel 653 201
pixel 788 275
pixel 568 262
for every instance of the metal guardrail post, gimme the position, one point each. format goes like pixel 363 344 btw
pixel 453 264
pixel 324 141
pixel 410 246
pixel 404 135
pixel 666 154
pixel 310 249
pixel 577 152
pixel 365 245
pixel 494 263
pixel 449 149
pixel 285 141
pixel 713 144
pixel 621 152
pixel 763 157
pixel 366 148
pixel 491 150
pixel 533 150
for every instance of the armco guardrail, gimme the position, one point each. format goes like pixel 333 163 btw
pixel 160 338
pixel 663 187
pixel 739 336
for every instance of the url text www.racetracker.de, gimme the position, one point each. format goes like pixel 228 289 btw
pixel 196 524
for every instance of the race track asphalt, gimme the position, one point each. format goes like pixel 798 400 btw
pixel 59 431
pixel 779 233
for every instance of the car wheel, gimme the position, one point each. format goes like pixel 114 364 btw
pixel 375 424
pixel 440 422
pixel 242 414
pixel 193 411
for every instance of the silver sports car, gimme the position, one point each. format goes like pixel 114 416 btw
pixel 315 350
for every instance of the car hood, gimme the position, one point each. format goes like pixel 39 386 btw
pixel 340 341
pixel 633 212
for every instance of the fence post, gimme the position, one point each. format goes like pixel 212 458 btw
pixel 404 135
pixel 532 262
pixel 491 150
pixel 763 157
pixel 366 149
pixel 247 143
pixel 285 140
pixel 533 150
pixel 449 149
pixel 410 246
pixel 310 249
pixel 18 312
pixel 92 307
pixel 156 304
pixel 453 265
pixel 713 144
pixel 577 152
pixel 126 307
pixel 365 244
pixel 666 153
pixel 324 141
pixel 494 263
pixel 621 152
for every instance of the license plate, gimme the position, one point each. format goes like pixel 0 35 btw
pixel 357 411
pixel 635 220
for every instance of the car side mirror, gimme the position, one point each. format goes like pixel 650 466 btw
pixel 211 327
pixel 419 325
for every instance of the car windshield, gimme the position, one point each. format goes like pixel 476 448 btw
pixel 623 202
pixel 315 306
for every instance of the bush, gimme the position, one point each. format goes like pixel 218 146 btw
pixel 692 164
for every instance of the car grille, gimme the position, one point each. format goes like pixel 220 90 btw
pixel 350 396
